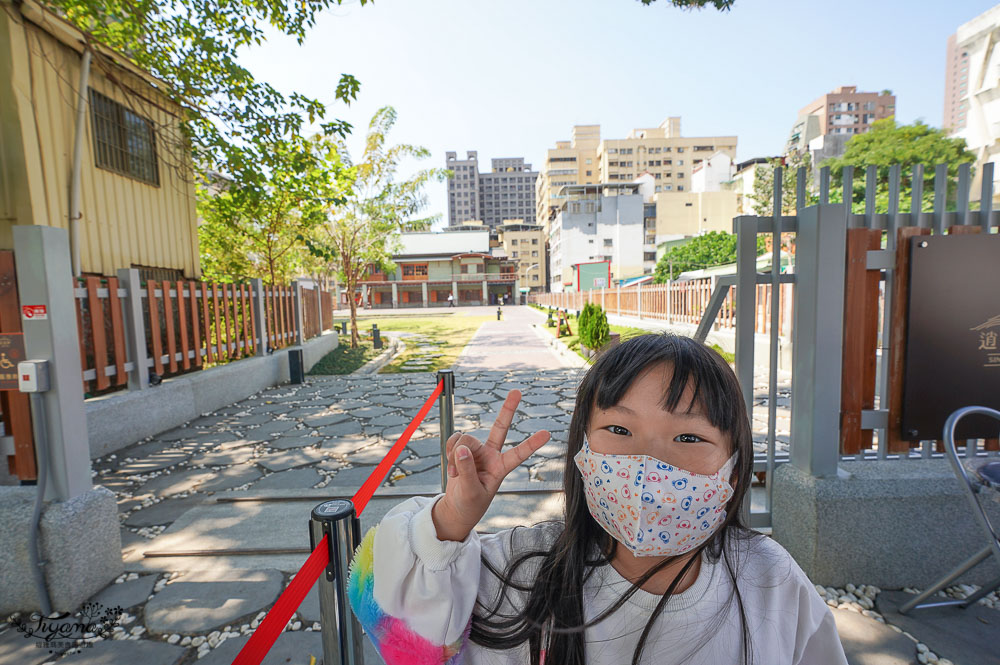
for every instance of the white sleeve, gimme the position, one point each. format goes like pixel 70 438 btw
pixel 414 594
pixel 429 583
pixel 817 641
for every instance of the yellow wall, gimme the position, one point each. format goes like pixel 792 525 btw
pixel 708 211
pixel 124 221
pixel 524 239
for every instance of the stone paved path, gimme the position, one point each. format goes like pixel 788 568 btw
pixel 184 490
pixel 509 344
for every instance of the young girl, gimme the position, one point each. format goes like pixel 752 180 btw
pixel 651 563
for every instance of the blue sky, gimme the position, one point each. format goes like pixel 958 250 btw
pixel 510 78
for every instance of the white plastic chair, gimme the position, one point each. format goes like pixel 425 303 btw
pixel 978 477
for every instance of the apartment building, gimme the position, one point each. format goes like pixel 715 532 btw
pixel 572 162
pixel 972 90
pixel 668 157
pixel 663 153
pixel 524 243
pixel 844 111
pixel 506 191
pixel 601 222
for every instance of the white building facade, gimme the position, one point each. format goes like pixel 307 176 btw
pixel 599 222
pixel 978 89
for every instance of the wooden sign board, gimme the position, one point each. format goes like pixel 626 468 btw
pixel 11 353
pixel 953 335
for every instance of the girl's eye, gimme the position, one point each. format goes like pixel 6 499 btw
pixel 619 427
pixel 688 438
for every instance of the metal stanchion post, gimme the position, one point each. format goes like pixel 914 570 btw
pixel 498 313
pixel 376 337
pixel 446 412
pixel 342 636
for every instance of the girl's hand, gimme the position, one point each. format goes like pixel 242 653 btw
pixel 475 471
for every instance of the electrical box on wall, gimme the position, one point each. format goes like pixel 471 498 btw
pixel 33 376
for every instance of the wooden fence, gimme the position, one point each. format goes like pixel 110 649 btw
pixel 187 325
pixel 673 302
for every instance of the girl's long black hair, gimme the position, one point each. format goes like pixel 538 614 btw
pixel 556 593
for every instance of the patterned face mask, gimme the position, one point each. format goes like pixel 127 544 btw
pixel 651 507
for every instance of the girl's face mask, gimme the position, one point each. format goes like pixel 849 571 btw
pixel 651 507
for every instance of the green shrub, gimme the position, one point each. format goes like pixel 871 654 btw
pixel 586 323
pixel 600 333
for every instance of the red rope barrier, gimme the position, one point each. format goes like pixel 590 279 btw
pixel 277 618
pixel 378 475
pixel 262 639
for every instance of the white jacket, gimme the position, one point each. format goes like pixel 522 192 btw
pixel 415 594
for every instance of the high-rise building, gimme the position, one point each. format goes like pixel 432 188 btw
pixel 839 115
pixel 972 89
pixel 572 162
pixel 507 191
pixel 660 151
pixel 956 86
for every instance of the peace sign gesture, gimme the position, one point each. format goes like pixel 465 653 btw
pixel 476 470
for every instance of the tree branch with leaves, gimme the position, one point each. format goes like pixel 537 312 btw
pixel 364 230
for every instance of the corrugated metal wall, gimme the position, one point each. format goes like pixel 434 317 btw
pixel 125 221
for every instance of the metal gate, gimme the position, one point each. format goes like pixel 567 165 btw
pixel 836 407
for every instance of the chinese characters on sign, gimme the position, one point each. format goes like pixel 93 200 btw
pixel 988 341
pixel 11 353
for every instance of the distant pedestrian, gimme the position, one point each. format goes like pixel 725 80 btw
pixel 451 300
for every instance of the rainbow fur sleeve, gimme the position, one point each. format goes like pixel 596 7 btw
pixel 394 640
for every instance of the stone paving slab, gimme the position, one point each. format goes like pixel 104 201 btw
pixel 198 602
pixel 291 648
pixel 164 512
pixel 294 441
pixel 127 594
pixel 179 481
pixel 138 652
pixel 868 642
pixel 968 636
pixel 292 478
pixel 15 649
pixel 230 477
pixel 288 459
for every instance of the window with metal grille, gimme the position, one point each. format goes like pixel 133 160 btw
pixel 124 141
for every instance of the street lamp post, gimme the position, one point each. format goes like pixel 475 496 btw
pixel 529 269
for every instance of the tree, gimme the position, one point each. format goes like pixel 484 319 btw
pixel 711 249
pixel 887 143
pixel 585 322
pixel 600 333
pixel 762 198
pixel 192 45
pixel 255 224
pixel 364 231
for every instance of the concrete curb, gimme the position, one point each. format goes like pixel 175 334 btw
pixel 568 355
pixel 396 348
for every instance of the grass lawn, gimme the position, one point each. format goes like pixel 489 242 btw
pixel 344 359
pixel 453 331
